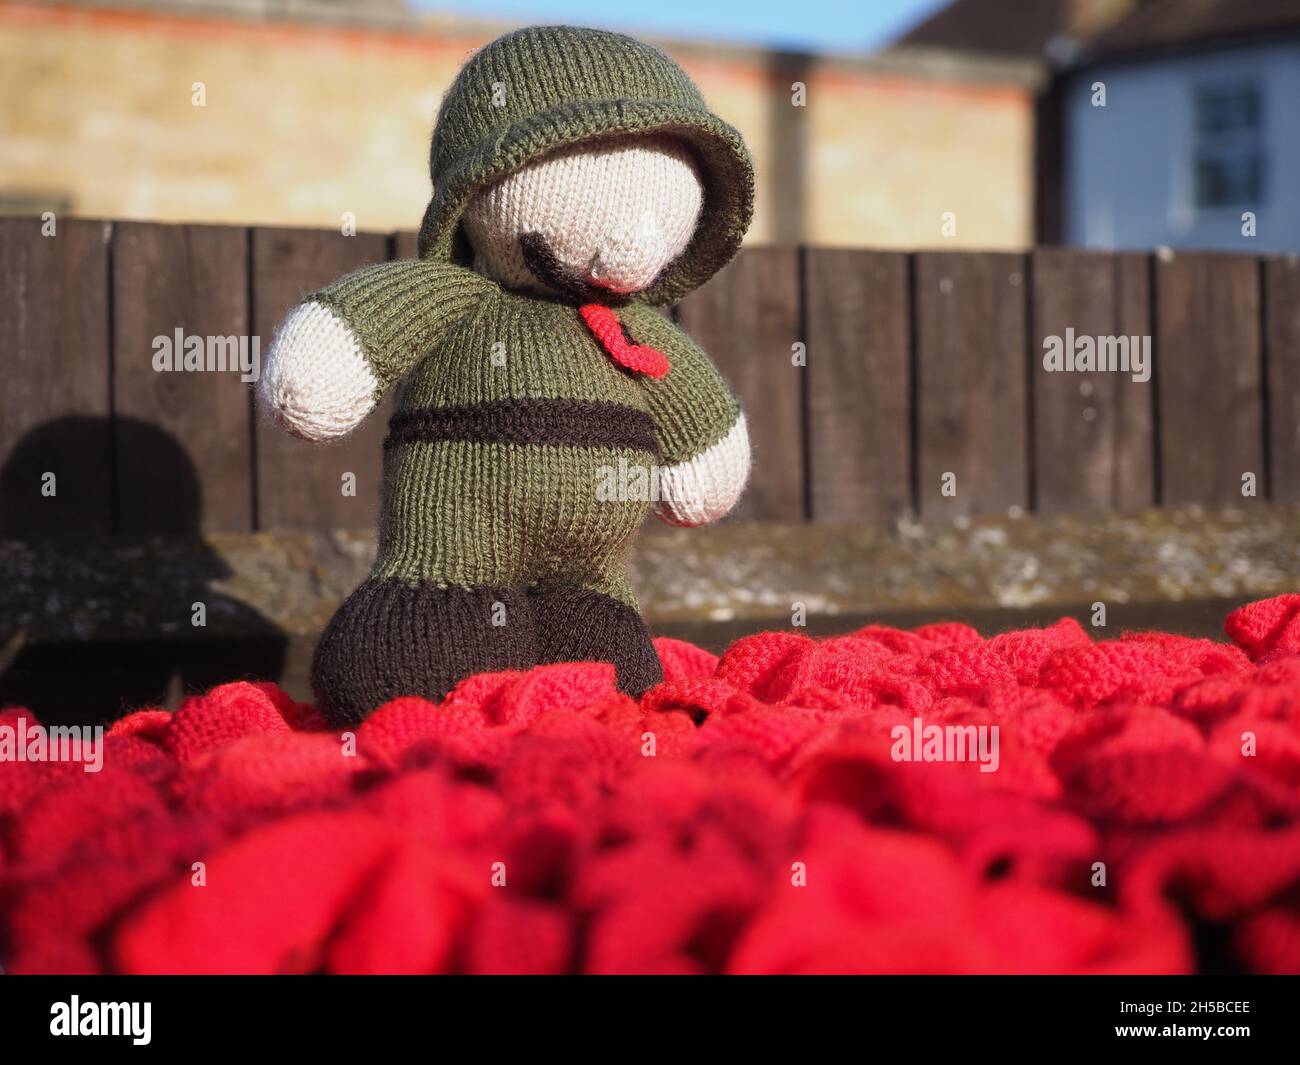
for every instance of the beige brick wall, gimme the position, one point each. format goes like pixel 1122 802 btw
pixel 891 156
pixel 304 122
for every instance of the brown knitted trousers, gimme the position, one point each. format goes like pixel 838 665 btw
pixel 390 638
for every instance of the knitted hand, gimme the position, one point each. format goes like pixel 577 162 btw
pixel 339 350
pixel 566 209
pixel 703 441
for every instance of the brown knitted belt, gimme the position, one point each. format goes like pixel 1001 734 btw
pixel 577 423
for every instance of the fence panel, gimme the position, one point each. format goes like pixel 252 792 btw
pixel 917 366
pixel 184 442
pixel 54 406
pixel 1092 442
pixel 859 382
pixel 1282 337
pixel 406 244
pixel 748 320
pixel 972 418
pixel 1209 371
pixel 1135 402
pixel 301 485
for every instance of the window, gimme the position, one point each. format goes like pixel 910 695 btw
pixel 1229 136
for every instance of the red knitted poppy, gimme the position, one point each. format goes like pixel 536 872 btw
pixel 749 814
pixel 609 329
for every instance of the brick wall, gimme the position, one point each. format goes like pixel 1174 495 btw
pixel 310 118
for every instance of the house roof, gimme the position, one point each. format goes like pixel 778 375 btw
pixel 991 26
pixel 1027 28
pixel 1160 25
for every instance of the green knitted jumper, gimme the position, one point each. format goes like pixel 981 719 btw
pixel 501 544
pixel 485 451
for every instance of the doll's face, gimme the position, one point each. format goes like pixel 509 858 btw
pixel 589 221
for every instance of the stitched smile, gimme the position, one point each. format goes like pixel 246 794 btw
pixel 547 268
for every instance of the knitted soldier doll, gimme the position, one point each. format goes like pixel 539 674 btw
pixel 580 182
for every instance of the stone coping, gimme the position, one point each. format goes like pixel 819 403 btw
pixel 737 572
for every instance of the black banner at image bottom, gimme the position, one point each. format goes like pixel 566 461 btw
pixel 777 1014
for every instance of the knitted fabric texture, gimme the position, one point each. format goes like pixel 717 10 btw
pixel 544 88
pixel 745 816
pixel 534 431
pixel 615 339
pixel 622 208
pixel 321 385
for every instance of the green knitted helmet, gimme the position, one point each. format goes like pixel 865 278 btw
pixel 546 87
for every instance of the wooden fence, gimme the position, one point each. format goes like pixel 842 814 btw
pixel 916 366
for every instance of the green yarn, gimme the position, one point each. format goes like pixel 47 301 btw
pixel 468 514
pixel 513 419
pixel 399 310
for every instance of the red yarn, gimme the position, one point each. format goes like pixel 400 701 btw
pixel 1268 626
pixel 606 326
pixel 747 815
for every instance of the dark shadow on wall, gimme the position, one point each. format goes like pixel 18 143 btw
pixel 94 626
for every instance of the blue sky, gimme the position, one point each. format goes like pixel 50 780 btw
pixel 818 25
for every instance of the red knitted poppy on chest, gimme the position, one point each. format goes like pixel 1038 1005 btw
pixel 618 343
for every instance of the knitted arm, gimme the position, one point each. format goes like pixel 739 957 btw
pixel 341 349
pixel 703 442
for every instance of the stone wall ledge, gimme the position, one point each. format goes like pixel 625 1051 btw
pixel 734 574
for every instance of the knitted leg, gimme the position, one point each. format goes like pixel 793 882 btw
pixel 579 625
pixel 391 638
